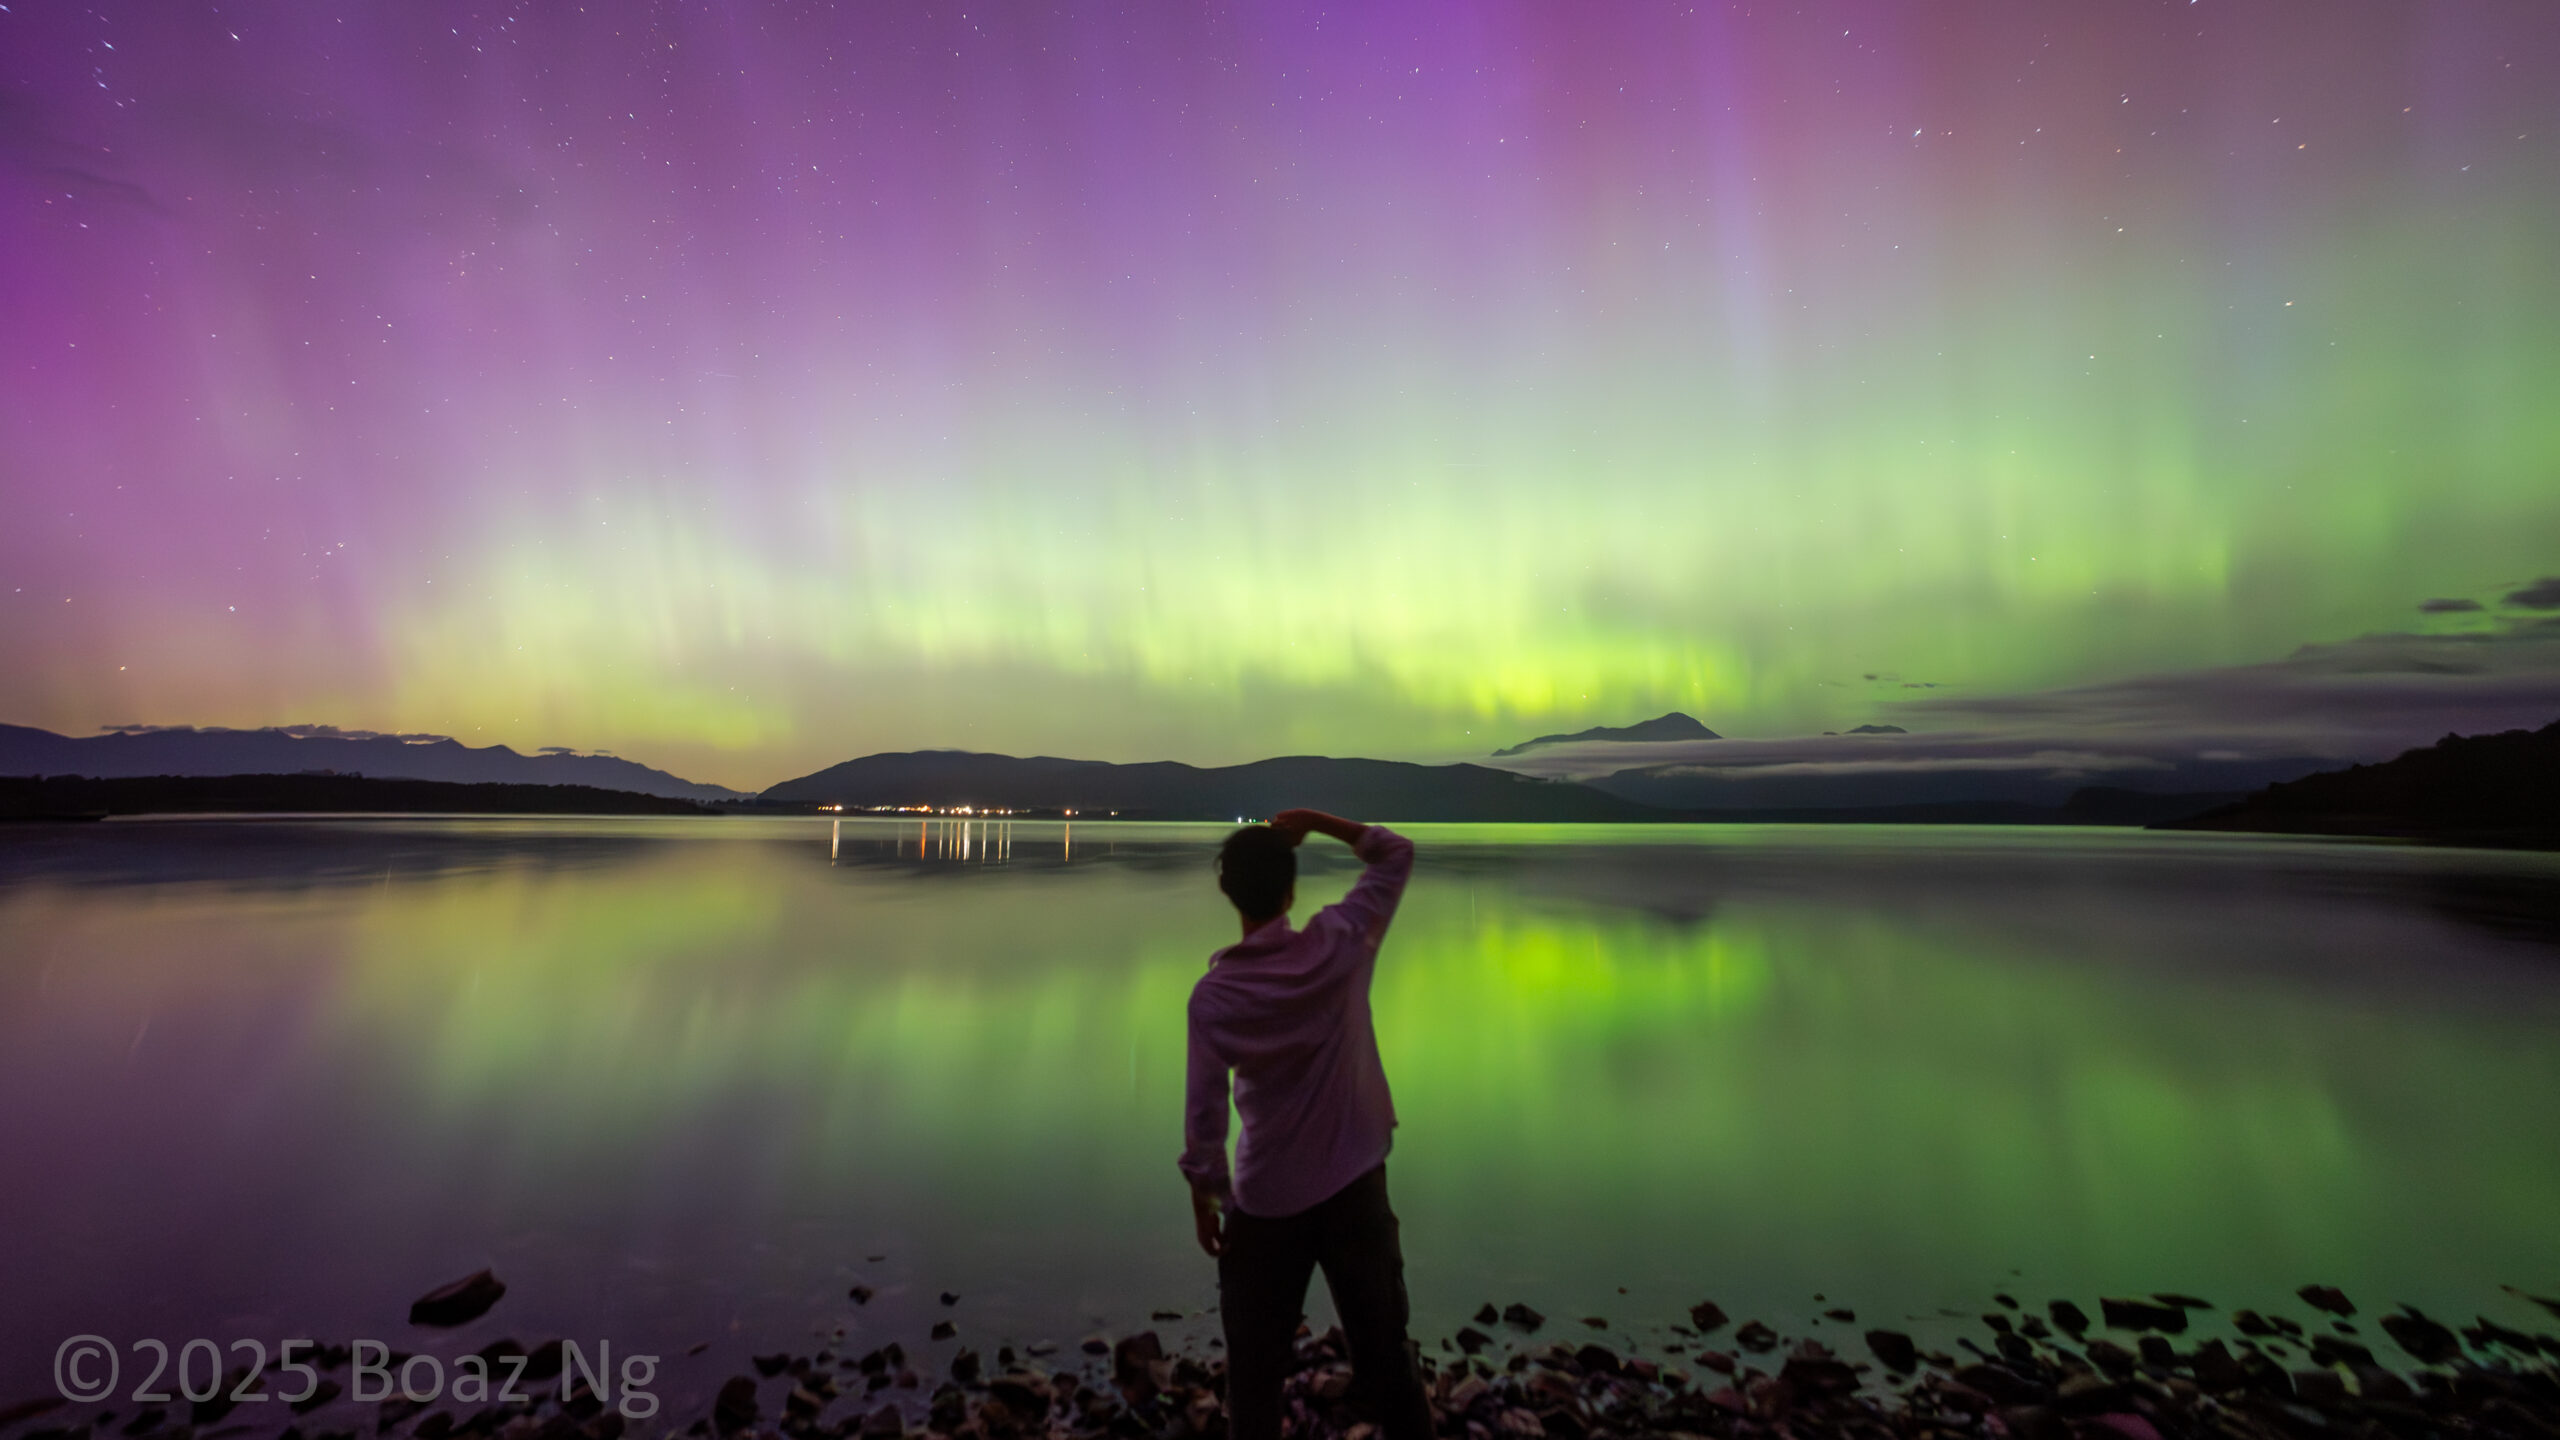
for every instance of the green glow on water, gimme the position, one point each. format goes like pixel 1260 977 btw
pixel 674 1079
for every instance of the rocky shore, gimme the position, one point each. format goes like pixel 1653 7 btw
pixel 2160 1367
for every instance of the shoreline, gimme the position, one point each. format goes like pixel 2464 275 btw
pixel 2142 1368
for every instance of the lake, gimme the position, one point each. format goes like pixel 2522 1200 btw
pixel 683 1082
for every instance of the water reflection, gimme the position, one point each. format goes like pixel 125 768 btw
pixel 687 1075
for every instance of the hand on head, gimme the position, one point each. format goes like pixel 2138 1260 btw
pixel 1299 824
pixel 1296 823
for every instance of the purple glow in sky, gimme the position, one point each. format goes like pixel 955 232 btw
pixel 741 387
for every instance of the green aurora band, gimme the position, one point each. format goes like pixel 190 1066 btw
pixel 1427 383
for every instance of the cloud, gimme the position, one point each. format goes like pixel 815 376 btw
pixel 298 732
pixel 332 732
pixel 2542 594
pixel 1975 750
pixel 2042 762
pixel 2447 607
pixel 2363 699
pixel 2354 697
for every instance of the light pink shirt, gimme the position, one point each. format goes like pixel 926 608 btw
pixel 1288 1012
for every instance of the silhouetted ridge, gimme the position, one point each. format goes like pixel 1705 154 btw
pixel 1166 790
pixel 281 751
pixel 1674 726
pixel 2483 789
pixel 74 797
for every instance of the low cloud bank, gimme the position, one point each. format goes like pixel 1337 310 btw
pixel 2230 727
pixel 298 732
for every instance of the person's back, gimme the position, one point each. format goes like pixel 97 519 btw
pixel 1287 1012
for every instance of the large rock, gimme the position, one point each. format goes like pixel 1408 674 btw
pixel 459 1303
pixel 735 1409
pixel 2429 1342
pixel 1895 1350
pixel 2143 1315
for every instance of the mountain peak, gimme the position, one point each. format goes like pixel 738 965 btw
pixel 1672 726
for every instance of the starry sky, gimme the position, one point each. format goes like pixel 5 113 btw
pixel 743 387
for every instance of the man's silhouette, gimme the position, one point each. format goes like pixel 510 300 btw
pixel 1287 1011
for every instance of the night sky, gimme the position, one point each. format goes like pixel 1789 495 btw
pixel 743 387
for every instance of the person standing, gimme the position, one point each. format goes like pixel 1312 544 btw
pixel 1286 1012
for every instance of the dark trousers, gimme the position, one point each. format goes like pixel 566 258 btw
pixel 1262 1288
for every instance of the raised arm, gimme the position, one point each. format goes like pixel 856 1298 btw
pixel 1299 823
pixel 1389 856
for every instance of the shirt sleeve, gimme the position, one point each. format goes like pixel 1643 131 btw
pixel 1204 1115
pixel 1372 902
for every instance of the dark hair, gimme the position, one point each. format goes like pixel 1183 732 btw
pixel 1258 868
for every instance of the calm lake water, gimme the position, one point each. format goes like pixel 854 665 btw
pixel 678 1081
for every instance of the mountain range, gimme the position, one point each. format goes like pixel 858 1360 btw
pixel 71 797
pixel 1168 790
pixel 2487 787
pixel 186 750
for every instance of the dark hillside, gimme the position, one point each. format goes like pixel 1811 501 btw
pixel 2481 789
pixel 1164 790
pixel 72 797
